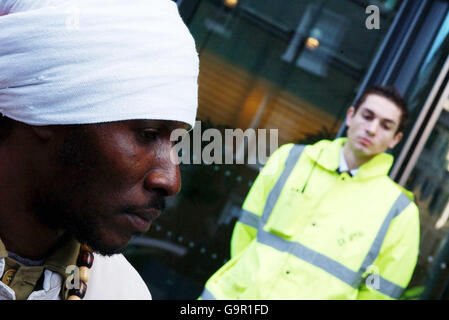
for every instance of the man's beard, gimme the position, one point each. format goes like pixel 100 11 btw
pixel 61 210
pixel 58 216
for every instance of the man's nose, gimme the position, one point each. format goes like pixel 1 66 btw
pixel 372 126
pixel 164 175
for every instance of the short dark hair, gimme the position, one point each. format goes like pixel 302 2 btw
pixel 392 94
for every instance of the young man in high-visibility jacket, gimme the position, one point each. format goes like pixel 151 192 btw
pixel 325 221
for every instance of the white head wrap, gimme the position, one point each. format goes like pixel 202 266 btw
pixel 89 61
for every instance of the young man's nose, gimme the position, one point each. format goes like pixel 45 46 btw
pixel 164 175
pixel 371 127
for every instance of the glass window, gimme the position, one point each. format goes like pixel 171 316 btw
pixel 289 65
pixel 429 182
pixel 431 189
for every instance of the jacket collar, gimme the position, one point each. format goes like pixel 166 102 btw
pixel 64 255
pixel 3 252
pixel 327 154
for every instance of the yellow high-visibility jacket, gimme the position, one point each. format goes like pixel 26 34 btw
pixel 307 231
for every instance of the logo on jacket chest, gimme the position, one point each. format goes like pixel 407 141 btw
pixel 348 237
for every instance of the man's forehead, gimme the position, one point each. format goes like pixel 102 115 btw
pixel 155 124
pixel 170 124
pixel 382 108
pixel 134 124
pixel 383 117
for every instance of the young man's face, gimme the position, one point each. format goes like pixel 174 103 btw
pixel 372 129
pixel 109 181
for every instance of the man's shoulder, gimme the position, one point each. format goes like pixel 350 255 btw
pixel 113 277
pixel 286 148
pixel 317 144
pixel 405 197
pixel 398 188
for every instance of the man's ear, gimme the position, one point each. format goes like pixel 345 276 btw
pixel 349 115
pixel 396 140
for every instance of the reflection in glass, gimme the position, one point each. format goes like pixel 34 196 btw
pixel 429 180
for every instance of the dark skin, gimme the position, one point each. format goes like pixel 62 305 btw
pixel 103 183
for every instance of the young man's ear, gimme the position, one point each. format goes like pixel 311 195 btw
pixel 396 140
pixel 349 115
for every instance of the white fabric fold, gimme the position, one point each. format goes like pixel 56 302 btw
pixel 90 61
pixel 6 293
pixel 52 286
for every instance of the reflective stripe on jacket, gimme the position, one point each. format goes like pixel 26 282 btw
pixel 309 232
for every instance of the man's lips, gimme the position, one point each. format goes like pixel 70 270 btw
pixel 365 141
pixel 140 220
pixel 146 214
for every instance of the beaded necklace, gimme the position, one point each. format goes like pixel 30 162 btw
pixel 84 263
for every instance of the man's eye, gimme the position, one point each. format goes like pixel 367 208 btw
pixel 367 116
pixel 149 134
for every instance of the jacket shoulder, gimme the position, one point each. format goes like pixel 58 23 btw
pixel 407 193
pixel 396 186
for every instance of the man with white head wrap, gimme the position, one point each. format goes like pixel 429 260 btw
pixel 90 91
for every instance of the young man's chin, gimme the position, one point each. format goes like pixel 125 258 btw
pixel 363 151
